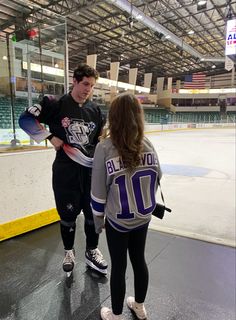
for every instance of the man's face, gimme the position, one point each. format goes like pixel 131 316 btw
pixel 83 89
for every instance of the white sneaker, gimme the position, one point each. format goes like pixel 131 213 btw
pixel 137 308
pixel 107 314
pixel 69 260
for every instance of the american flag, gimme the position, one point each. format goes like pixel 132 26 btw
pixel 195 81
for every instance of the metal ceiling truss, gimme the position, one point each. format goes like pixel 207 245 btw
pixel 113 30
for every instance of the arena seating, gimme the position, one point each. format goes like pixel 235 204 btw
pixel 152 115
pixel 19 105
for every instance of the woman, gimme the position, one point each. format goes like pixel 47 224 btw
pixel 124 182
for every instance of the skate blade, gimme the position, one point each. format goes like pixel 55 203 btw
pixel 69 280
pixel 68 274
pixel 97 271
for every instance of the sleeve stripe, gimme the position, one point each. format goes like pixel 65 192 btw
pixel 98 199
pixel 98 214
pixel 97 207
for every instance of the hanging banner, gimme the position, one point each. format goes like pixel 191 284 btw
pixel 230 47
pixel 229 64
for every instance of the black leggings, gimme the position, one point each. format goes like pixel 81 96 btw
pixel 118 244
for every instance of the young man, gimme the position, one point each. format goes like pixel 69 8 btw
pixel 75 124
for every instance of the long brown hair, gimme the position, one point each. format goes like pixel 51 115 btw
pixel 126 128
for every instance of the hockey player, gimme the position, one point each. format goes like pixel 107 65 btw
pixel 75 124
pixel 124 182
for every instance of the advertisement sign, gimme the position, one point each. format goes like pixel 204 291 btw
pixel 230 47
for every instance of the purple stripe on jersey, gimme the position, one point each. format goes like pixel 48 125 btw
pixel 123 229
pixel 99 207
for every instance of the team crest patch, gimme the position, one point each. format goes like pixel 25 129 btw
pixel 65 122
pixel 78 130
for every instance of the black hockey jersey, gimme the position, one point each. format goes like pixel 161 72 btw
pixel 78 126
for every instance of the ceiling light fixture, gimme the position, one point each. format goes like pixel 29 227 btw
pixel 201 2
pixel 201 5
pixel 139 17
pixel 155 26
pixel 131 22
pixel 160 35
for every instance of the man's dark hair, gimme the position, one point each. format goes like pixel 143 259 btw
pixel 83 70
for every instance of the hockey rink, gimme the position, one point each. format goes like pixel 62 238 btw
pixel 198 183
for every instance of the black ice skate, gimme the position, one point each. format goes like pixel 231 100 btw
pixel 69 262
pixel 95 260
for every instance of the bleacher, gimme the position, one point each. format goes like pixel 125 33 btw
pixel 152 114
pixel 19 105
pixel 196 117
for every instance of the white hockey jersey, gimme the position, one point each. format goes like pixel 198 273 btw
pixel 126 198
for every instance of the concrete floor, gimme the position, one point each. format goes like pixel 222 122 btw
pixel 189 279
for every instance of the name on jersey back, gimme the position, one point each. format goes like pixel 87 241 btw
pixel 115 164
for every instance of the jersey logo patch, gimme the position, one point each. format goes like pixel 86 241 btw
pixel 77 130
pixel 65 122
